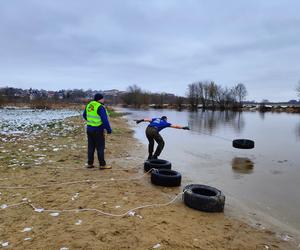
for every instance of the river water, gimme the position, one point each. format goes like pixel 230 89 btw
pixel 262 184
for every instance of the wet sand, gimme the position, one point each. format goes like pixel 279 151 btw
pixel 51 159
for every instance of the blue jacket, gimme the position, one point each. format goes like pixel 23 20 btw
pixel 159 124
pixel 105 123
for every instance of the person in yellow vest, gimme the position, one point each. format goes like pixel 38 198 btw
pixel 97 121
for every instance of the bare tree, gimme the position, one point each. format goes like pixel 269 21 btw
pixel 146 98
pixel 203 93
pixel 133 96
pixel 223 97
pixel 178 102
pixel 240 92
pixel 212 93
pixel 193 96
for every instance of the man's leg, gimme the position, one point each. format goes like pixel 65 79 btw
pixel 160 145
pixel 149 135
pixel 100 146
pixel 91 148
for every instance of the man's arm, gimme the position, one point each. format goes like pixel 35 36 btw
pixel 143 120
pixel 84 114
pixel 180 127
pixel 102 113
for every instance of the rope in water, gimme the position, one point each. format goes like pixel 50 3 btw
pixel 216 136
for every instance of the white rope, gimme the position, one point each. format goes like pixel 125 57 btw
pixel 212 135
pixel 15 205
pixel 94 209
pixel 74 182
pixel 86 209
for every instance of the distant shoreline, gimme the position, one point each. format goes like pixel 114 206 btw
pixel 252 108
pixel 274 108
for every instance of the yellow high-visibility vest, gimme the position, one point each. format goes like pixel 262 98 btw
pixel 92 117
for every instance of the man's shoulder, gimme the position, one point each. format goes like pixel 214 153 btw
pixel 165 123
pixel 101 108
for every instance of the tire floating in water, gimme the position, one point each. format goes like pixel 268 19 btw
pixel 165 178
pixel 157 164
pixel 204 198
pixel 243 143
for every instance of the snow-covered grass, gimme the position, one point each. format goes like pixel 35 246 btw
pixel 29 121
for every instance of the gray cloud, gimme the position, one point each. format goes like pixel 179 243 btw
pixel 159 45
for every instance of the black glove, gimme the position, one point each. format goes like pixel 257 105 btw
pixel 139 121
pixel 186 128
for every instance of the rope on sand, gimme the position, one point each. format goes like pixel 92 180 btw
pixel 128 213
pixel 75 182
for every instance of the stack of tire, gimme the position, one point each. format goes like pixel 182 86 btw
pixel 161 173
pixel 196 196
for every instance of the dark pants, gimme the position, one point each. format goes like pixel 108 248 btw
pixel 152 134
pixel 96 140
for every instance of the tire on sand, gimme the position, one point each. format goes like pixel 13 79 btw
pixel 204 198
pixel 157 164
pixel 166 178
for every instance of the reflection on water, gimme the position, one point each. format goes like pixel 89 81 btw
pixel 209 121
pixel 298 130
pixel 242 165
pixel 262 115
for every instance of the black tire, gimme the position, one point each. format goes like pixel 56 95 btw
pixel 166 178
pixel 157 164
pixel 204 198
pixel 243 143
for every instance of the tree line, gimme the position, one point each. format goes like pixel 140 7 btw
pixel 204 94
pixel 199 95
pixel 211 95
pixel 136 97
pixel 41 98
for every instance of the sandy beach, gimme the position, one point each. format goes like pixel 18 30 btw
pixel 59 204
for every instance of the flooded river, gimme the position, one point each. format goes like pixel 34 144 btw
pixel 263 182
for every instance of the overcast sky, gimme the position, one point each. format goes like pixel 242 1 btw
pixel 160 45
